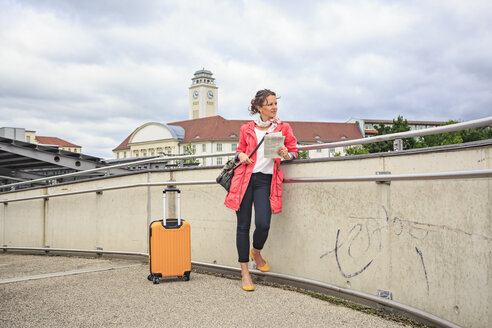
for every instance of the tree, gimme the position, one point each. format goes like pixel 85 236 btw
pixel 399 125
pixel 356 150
pixel 456 137
pixel 448 138
pixel 189 150
pixel 476 134
pixel 303 154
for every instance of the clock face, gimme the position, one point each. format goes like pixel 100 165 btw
pixel 195 94
pixel 210 94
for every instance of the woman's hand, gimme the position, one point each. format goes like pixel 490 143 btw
pixel 244 159
pixel 284 153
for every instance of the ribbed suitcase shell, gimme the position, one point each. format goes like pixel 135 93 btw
pixel 170 248
pixel 169 245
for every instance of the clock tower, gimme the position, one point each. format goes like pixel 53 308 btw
pixel 203 95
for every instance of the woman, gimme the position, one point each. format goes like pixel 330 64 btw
pixel 258 180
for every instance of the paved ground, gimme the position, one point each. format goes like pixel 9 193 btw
pixel 123 297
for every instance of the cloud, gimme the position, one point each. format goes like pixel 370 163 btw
pixel 91 73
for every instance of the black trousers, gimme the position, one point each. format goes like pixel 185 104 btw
pixel 257 193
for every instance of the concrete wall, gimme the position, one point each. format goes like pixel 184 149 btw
pixel 427 242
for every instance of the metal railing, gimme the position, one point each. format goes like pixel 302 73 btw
pixel 108 168
pixel 487 121
pixel 418 133
pixel 471 174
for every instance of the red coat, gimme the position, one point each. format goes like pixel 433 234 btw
pixel 242 175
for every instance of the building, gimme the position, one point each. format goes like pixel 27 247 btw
pixel 367 126
pixel 151 139
pixel 22 134
pixel 206 132
pixel 59 143
pixel 216 134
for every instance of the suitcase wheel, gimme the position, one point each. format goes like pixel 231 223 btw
pixel 186 276
pixel 156 280
pixel 150 277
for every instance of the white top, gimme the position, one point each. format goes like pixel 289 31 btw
pixel 263 165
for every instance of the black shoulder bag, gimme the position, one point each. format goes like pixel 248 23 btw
pixel 225 176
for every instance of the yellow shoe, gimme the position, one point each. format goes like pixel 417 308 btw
pixel 264 268
pixel 249 288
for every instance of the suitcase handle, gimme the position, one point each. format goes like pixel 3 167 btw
pixel 171 189
pixel 164 204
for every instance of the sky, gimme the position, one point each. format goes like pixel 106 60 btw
pixel 91 72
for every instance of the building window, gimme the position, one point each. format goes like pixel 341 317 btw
pixel 152 152
pixel 318 150
pixel 219 147
pixel 219 160
pixel 124 154
pixel 28 138
pixel 204 148
pixel 117 155
pixel 194 149
pixel 135 153
pixel 233 147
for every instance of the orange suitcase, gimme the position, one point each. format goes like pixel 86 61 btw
pixel 169 245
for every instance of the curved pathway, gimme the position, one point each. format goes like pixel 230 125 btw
pixel 56 291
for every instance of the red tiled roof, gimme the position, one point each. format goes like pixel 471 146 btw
pixel 124 144
pixel 55 141
pixel 210 129
pixel 308 132
pixel 217 128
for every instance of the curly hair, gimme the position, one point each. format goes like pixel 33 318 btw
pixel 259 99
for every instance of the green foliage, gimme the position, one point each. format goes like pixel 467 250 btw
pixel 337 154
pixel 451 138
pixel 356 150
pixel 448 138
pixel 476 134
pixel 399 125
pixel 189 150
pixel 303 154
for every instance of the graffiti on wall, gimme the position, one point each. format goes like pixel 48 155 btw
pixel 365 239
